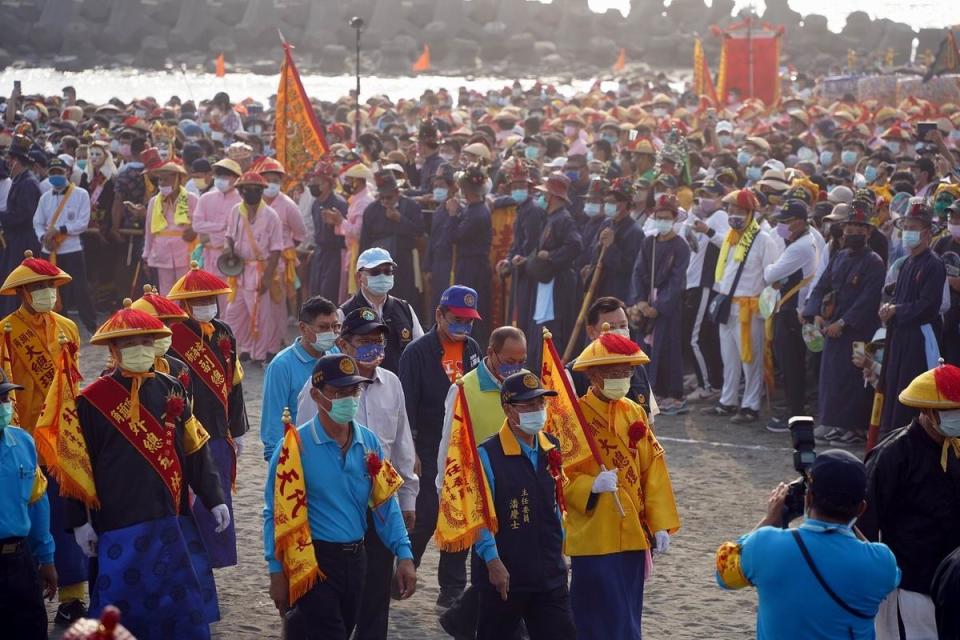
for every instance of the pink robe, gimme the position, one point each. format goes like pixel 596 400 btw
pixel 350 230
pixel 210 218
pixel 251 316
pixel 166 251
pixel 294 232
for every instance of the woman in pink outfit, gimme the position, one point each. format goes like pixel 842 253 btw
pixel 210 219
pixel 169 234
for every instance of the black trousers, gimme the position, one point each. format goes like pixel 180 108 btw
pixel 547 614
pixel 452 571
pixel 791 354
pixel 325 271
pixel 22 611
pixel 329 610
pixel 75 295
pixel 701 339
pixel 374 614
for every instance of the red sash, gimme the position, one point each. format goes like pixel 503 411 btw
pixel 203 362
pixel 148 436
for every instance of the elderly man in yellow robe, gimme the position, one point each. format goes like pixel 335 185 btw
pixel 31 353
pixel 620 508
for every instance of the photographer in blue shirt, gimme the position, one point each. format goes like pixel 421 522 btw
pixel 823 579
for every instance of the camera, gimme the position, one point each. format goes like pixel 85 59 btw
pixel 801 435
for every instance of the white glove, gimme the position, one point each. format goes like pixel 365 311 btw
pixel 238 445
pixel 86 539
pixel 222 516
pixel 605 482
pixel 662 539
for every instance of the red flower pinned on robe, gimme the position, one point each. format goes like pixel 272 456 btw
pixel 373 464
pixel 555 467
pixel 226 348
pixel 184 379
pixel 636 433
pixel 173 409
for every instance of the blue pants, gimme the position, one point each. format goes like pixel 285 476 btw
pixel 606 595
pixel 222 546
pixel 69 560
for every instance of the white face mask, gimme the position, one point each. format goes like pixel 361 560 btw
pixel 43 300
pixel 165 190
pixel 616 388
pixel 204 312
pixel 272 190
pixel 161 346
pixel 625 332
pixel 324 341
pixel 222 184
pixel 137 359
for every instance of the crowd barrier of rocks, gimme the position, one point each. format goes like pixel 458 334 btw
pixel 495 36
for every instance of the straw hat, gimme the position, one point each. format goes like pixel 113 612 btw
pixel 31 271
pixel 610 348
pixel 197 283
pixel 128 322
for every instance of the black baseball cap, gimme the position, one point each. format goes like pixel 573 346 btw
pixel 523 386
pixel 6 386
pixel 361 322
pixel 337 370
pixel 793 209
pixel 838 474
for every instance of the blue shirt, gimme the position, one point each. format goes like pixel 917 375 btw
pixel 18 474
pixel 338 492
pixel 285 376
pixel 793 605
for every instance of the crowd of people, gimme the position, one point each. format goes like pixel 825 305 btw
pixel 804 254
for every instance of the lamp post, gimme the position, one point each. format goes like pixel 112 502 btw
pixel 357 23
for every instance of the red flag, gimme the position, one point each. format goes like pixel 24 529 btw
pixel 300 142
pixel 221 66
pixel 423 62
pixel 621 62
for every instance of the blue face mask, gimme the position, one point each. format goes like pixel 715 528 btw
pixel 541 202
pixel 592 209
pixel 893 146
pixel 743 158
pixel 572 175
pixel 826 157
pixel 612 139
pixel 460 328
pixel 848 158
pixel 754 173
pixel 506 370
pixel 870 173
pixel 609 210
pixel 440 194
pixel 911 239
pixel 380 285
pixel 82 165
pixel 531 153
pixel 950 423
pixel 6 414
pixel 519 195
pixel 58 182
pixel 531 423
pixel 343 410
pixel 368 353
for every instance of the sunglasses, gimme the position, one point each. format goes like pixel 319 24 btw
pixel 381 271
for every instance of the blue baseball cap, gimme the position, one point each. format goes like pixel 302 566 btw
pixel 462 301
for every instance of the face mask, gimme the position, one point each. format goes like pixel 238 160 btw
pixel 893 146
pixel 31 115
pixel 440 194
pixel 541 202
pixel 161 346
pixel 204 312
pixel 137 359
pixel 610 210
pixel 663 227
pixel 446 157
pixel 124 150
pixel 272 190
pixel 314 190
pixel 6 414
pixel 573 176
pixel 531 153
pixel 531 422
pixel 43 300
pixel 58 182
pixel 743 158
pixel 870 173
pixel 82 165
pixel 736 222
pixel 324 341
pixel 592 209
pixel 624 332
pixel 519 195
pixel 659 112
pixel 911 239
pixel 854 241
pixel 252 198
pixel 201 183
pixel 115 146
pixel 754 173
pixel 724 140
pixel 507 370
pixel 616 388
pixel 223 184
pixel 806 154
pixel 783 230
pixel 380 285
pixel 611 139
pixel 826 157
pixel 369 353
pixel 949 423
pixel 460 329
pixel 165 190
pixel 342 410
pixel 569 130
pixel 849 158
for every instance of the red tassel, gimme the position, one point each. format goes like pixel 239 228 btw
pixel 615 343
pixel 947 378
pixel 746 200
pixel 41 267
pixel 163 306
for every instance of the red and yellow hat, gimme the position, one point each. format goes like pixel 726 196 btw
pixel 938 388
pixel 197 283
pixel 31 271
pixel 610 348
pixel 129 322
pixel 158 306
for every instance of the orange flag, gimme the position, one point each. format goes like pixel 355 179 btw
pixel 423 62
pixel 565 421
pixel 221 66
pixel 300 142
pixel 702 80
pixel 621 62
pixel 466 506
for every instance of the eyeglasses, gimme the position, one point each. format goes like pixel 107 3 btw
pixel 381 271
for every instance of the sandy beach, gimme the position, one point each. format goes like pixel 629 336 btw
pixel 721 473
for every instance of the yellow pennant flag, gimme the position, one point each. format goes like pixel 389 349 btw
pixel 564 419
pixel 466 506
pixel 6 363
pixel 59 440
pixel 299 142
pixel 291 527
pixel 384 479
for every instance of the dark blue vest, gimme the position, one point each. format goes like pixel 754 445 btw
pixel 530 539
pixel 399 320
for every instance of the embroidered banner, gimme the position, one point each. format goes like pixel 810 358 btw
pixel 299 137
pixel 203 362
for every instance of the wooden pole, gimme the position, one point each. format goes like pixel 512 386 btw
pixel 587 300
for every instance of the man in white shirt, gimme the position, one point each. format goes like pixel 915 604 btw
pixel 382 409
pixel 745 252
pixel 62 214
pixel 792 275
